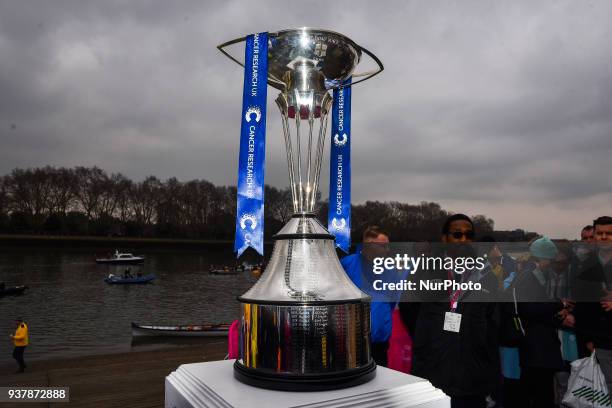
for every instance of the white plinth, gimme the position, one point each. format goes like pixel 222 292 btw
pixel 213 384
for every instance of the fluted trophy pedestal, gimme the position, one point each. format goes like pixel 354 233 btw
pixel 303 366
pixel 305 325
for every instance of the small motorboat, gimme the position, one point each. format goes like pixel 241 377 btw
pixel 123 279
pixel 204 330
pixel 119 258
pixel 12 290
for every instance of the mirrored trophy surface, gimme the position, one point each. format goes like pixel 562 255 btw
pixel 305 325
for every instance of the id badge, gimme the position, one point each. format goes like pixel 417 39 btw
pixel 452 322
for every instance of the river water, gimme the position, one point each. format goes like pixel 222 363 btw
pixel 71 311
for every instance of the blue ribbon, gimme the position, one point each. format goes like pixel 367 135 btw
pixel 339 214
pixel 250 194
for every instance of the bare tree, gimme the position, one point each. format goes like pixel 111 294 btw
pixel 122 190
pixel 4 195
pixel 278 203
pixel 62 184
pixel 145 197
pixel 108 197
pixel 483 224
pixel 170 208
pixel 29 190
pixel 89 189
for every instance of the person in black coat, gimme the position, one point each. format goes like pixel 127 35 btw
pixel 463 363
pixel 594 307
pixel 541 316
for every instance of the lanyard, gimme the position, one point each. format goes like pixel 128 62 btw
pixel 454 296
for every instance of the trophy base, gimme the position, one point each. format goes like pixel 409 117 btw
pixel 305 382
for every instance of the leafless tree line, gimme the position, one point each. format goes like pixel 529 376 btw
pixel 90 201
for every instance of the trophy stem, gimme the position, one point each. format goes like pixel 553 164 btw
pixel 304 190
pixel 299 164
pixel 290 162
pixel 320 147
pixel 309 189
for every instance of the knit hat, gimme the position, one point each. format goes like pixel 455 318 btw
pixel 543 248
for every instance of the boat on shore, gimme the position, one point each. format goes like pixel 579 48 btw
pixel 119 258
pixel 122 279
pixel 12 290
pixel 204 330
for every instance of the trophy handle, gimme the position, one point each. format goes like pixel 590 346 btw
pixel 368 74
pixel 227 54
pixel 276 83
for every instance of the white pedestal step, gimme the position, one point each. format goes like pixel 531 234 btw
pixel 213 385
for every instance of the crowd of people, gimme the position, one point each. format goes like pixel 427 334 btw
pixel 511 347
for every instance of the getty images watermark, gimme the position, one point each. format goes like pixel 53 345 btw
pixel 411 265
pixel 484 272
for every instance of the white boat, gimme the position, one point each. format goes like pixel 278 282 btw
pixel 120 258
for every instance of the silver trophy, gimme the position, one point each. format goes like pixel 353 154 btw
pixel 305 325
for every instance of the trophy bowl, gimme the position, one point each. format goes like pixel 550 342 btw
pixel 334 55
pixel 305 326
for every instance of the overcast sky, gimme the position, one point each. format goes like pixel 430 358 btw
pixel 496 108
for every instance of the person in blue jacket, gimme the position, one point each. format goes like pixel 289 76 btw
pixel 358 267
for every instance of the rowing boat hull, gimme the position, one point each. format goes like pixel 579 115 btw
pixel 131 261
pixel 128 281
pixel 159 331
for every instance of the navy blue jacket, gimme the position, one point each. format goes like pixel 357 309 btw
pixel 355 266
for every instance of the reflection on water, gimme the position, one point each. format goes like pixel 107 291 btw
pixel 144 343
pixel 70 310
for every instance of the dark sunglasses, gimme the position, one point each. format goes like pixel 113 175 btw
pixel 459 234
